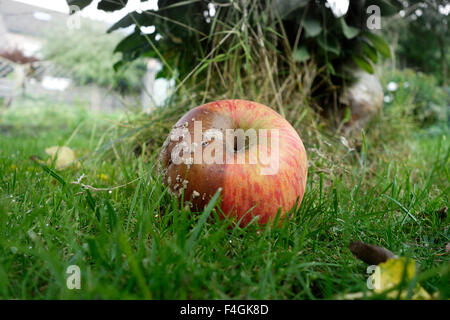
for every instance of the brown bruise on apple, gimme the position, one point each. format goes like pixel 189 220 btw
pixel 244 188
pixel 187 180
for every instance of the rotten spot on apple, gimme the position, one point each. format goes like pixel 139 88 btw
pixel 243 147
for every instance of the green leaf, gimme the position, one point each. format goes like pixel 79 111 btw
pixel 331 68
pixel 387 7
pixel 118 65
pixel 129 43
pixel 202 220
pixel 329 45
pixel 312 27
pixel 301 55
pixel 53 174
pixel 349 32
pixel 141 19
pixel 363 63
pixel 111 5
pixel 79 3
pixel 370 52
pixel 90 200
pixel 111 215
pixel 347 116
pixel 378 42
pixel 126 21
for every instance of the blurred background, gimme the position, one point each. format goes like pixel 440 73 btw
pixel 307 47
pixel 47 54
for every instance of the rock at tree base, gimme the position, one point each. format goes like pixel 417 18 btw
pixel 364 97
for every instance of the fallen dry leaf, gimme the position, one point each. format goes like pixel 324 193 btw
pixel 390 271
pixel 61 157
pixel 370 254
pixel 395 271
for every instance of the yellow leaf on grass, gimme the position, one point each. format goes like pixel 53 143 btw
pixel 61 157
pixel 386 278
pixel 394 272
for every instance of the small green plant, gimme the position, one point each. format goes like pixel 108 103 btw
pixel 419 93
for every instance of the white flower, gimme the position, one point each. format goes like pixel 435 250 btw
pixel 338 7
pixel 392 86
pixel 387 99
pixel 406 84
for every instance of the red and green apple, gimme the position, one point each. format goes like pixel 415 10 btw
pixel 244 148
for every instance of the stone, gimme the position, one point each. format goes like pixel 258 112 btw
pixel 364 96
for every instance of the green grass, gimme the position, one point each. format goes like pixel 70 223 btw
pixel 135 242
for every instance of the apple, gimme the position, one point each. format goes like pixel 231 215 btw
pixel 245 149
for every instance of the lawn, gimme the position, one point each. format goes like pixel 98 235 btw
pixel 131 240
